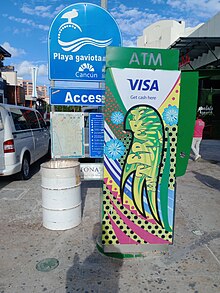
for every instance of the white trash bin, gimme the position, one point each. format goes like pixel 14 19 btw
pixel 61 194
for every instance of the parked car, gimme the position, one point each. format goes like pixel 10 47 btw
pixel 24 139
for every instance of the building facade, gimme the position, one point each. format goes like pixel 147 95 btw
pixel 41 101
pixel 15 90
pixel 199 49
pixel 3 84
pixel 10 91
pixel 41 90
pixel 163 33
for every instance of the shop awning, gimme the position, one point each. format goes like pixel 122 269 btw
pixel 4 52
pixel 193 47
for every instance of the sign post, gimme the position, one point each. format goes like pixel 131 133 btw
pixel 77 42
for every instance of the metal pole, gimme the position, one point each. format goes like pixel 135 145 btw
pixel 104 4
pixel 16 95
pixel 16 82
pixel 52 84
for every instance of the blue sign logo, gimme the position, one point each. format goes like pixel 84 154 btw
pixel 77 41
pixel 77 97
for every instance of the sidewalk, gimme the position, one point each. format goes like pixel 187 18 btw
pixel 191 265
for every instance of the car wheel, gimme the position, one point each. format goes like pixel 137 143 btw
pixel 25 168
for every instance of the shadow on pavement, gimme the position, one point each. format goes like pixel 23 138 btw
pixel 5 180
pixel 208 180
pixel 97 273
pixel 34 169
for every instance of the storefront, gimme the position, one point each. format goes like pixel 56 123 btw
pixel 209 101
pixel 201 52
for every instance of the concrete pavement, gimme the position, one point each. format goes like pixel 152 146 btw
pixel 192 264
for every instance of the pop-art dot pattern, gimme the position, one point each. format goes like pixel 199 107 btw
pixel 173 142
pixel 109 237
pixel 127 142
pixel 171 138
pixel 112 106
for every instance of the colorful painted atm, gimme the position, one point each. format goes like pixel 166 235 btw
pixel 148 105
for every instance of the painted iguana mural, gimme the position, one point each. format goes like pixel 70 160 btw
pixel 143 161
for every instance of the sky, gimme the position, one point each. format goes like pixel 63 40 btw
pixel 25 25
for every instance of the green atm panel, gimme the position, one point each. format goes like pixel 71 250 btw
pixel 148 126
pixel 187 116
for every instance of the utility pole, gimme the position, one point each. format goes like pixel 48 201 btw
pixel 16 82
pixel 104 4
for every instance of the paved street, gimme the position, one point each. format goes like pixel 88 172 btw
pixel 191 265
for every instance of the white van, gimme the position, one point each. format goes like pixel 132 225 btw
pixel 24 138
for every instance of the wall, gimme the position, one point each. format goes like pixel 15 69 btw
pixel 10 77
pixel 163 33
pixel 15 95
pixel 208 29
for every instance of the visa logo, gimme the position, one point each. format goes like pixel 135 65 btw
pixel 143 84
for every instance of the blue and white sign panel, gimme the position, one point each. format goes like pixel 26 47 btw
pixel 96 135
pixel 77 97
pixel 77 41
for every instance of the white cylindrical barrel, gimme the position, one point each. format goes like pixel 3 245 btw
pixel 61 194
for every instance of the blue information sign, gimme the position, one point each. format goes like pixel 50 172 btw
pixel 96 135
pixel 77 41
pixel 77 97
